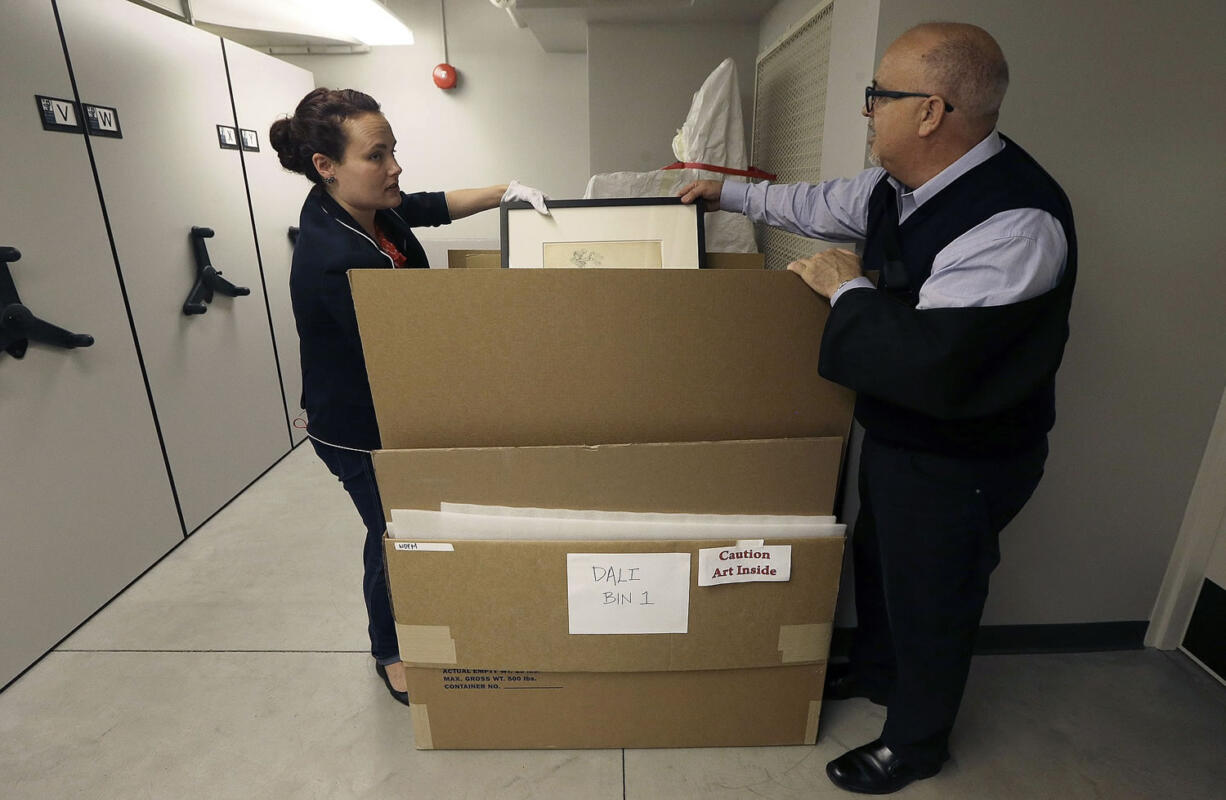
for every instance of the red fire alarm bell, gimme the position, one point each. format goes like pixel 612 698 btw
pixel 444 76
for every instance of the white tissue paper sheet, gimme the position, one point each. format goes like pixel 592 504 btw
pixel 459 522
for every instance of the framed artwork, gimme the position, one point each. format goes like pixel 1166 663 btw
pixel 610 233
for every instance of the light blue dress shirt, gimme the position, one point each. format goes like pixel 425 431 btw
pixel 1009 257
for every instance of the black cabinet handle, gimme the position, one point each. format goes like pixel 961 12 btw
pixel 208 279
pixel 19 326
pixel 16 322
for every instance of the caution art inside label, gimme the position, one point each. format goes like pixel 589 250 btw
pixel 744 563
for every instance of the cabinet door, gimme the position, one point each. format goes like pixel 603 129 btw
pixel 214 376
pixel 85 500
pixel 265 89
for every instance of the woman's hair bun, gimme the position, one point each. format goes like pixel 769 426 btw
pixel 281 136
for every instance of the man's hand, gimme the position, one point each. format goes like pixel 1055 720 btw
pixel 826 271
pixel 707 191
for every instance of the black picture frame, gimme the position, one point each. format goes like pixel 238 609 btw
pixel 507 209
pixel 252 146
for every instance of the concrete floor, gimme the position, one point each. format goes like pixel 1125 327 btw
pixel 237 668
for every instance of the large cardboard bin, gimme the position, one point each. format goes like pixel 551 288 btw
pixel 624 390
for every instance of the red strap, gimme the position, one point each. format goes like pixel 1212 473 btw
pixel 752 172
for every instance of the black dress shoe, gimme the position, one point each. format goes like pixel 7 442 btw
pixel 874 769
pixel 842 683
pixel 401 697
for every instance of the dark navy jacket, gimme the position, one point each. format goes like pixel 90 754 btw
pixel 335 391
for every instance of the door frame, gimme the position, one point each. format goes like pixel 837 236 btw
pixel 1204 517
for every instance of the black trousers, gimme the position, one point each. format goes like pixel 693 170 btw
pixel 356 473
pixel 924 544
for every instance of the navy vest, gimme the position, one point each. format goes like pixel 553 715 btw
pixel 993 389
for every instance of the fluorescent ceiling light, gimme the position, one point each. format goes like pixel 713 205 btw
pixel 366 21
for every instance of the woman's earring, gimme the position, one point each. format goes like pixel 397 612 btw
pixel 330 179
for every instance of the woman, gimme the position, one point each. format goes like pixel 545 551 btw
pixel 356 217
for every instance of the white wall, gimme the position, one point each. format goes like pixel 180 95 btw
pixel 853 36
pixel 780 19
pixel 642 79
pixel 517 112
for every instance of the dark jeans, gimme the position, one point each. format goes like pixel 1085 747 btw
pixel 356 473
pixel 925 542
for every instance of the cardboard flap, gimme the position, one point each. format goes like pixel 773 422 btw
pixel 503 605
pixel 757 476
pixel 483 358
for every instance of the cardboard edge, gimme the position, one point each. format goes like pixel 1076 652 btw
pixel 422 738
pixel 815 713
pixel 808 643
pixel 718 260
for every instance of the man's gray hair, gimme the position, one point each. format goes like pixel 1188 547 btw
pixel 967 68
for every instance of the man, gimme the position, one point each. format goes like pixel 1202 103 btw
pixel 953 356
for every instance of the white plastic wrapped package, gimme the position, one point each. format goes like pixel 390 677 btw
pixel 713 133
pixel 714 130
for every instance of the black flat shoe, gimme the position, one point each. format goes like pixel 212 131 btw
pixel 843 683
pixel 401 697
pixel 874 769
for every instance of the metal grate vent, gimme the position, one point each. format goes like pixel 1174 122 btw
pixel 789 114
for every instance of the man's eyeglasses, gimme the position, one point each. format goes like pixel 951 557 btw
pixel 871 93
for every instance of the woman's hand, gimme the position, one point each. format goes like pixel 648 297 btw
pixel 517 191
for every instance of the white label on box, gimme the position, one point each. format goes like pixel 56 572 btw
pixel 628 592
pixel 744 564
pixel 439 546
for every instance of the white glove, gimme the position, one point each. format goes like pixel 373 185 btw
pixel 517 191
